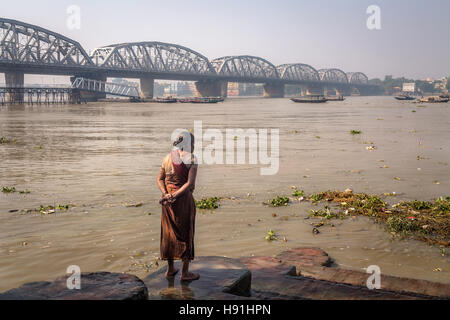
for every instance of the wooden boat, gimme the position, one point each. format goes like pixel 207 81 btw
pixel 335 98
pixel 201 100
pixel 311 99
pixel 404 97
pixel 165 100
pixel 434 99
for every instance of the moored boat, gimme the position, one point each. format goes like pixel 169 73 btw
pixel 201 100
pixel 404 97
pixel 311 99
pixel 335 98
pixel 434 99
pixel 165 100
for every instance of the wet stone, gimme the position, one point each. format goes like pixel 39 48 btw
pixel 220 278
pixel 306 257
pixel 94 286
pixel 305 273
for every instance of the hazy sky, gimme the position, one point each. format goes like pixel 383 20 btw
pixel 413 41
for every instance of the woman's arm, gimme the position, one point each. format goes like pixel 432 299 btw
pixel 162 181
pixel 189 184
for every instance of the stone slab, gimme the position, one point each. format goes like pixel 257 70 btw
pixel 305 273
pixel 94 286
pixel 315 263
pixel 220 278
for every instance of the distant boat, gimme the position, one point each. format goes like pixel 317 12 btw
pixel 335 98
pixel 165 100
pixel 202 100
pixel 435 99
pixel 311 99
pixel 404 97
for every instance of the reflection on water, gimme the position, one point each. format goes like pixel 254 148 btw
pixel 103 159
pixel 183 292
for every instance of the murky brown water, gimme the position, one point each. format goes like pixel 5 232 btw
pixel 103 157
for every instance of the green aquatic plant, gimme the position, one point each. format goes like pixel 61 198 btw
pixel 401 225
pixel 279 201
pixel 8 189
pixel 355 132
pixel 442 205
pixel 271 235
pixel 424 220
pixel 324 213
pixel 420 205
pixel 63 207
pixel 46 209
pixel 208 203
pixel 298 193
pixel 3 140
pixel 316 197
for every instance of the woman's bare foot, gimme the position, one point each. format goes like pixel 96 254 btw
pixel 171 274
pixel 190 276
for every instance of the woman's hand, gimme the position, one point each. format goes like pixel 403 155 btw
pixel 166 198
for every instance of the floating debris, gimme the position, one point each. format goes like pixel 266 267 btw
pixel 3 140
pixel 355 132
pixel 370 148
pixel 63 207
pixel 14 190
pixel 424 220
pixel 278 201
pixel 324 213
pixel 136 205
pixel 208 203
pixel 316 197
pixel 271 236
pixel 8 189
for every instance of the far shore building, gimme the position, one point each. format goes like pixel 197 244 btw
pixel 409 87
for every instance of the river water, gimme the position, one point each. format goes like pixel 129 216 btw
pixel 103 158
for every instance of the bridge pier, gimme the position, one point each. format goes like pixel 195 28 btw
pixel 327 91
pixel 15 79
pixel 90 96
pixel 212 88
pixel 315 89
pixel 273 90
pixel 147 87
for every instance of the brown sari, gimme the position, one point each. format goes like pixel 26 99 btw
pixel 178 218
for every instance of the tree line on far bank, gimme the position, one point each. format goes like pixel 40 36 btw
pixel 391 84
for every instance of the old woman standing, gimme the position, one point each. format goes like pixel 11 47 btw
pixel 176 180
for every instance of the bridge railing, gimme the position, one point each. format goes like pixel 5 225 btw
pixel 106 87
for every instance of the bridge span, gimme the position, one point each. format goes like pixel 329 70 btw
pixel 30 49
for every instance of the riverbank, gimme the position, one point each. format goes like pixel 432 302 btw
pixel 297 274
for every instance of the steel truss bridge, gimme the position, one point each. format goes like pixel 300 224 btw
pixel 30 49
